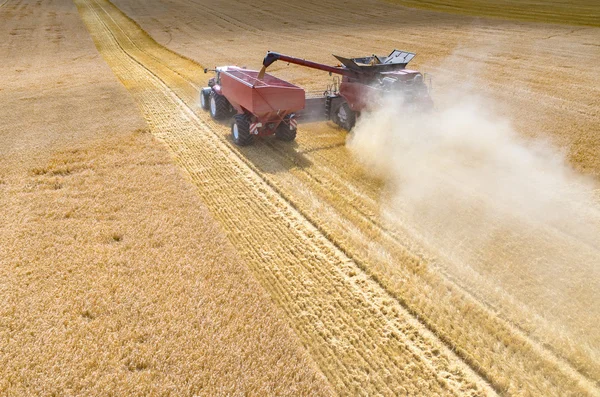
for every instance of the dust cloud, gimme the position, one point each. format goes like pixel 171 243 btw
pixel 487 201
pixel 464 164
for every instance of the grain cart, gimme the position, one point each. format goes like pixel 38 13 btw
pixel 364 81
pixel 259 106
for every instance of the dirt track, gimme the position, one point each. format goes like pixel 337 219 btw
pixel 314 196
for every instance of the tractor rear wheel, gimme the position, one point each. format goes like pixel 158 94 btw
pixel 284 133
pixel 204 100
pixel 345 117
pixel 240 130
pixel 219 106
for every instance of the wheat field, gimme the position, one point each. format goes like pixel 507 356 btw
pixel 581 12
pixel 358 294
pixel 115 279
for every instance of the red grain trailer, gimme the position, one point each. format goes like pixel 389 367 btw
pixel 259 107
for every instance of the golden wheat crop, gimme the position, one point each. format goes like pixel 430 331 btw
pixel 118 280
pixel 581 12
pixel 115 280
pixel 506 344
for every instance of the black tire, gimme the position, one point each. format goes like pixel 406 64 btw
pixel 345 117
pixel 240 130
pixel 284 133
pixel 220 108
pixel 204 99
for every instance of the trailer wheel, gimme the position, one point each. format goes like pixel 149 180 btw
pixel 205 99
pixel 219 106
pixel 345 117
pixel 284 133
pixel 240 130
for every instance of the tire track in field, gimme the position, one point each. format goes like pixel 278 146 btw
pixel 189 98
pixel 362 339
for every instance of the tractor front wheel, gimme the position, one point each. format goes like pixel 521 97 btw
pixel 204 99
pixel 285 132
pixel 240 130
pixel 219 106
pixel 345 117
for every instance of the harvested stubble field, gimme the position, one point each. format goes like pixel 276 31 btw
pixel 382 304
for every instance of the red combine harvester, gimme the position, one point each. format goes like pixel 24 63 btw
pixel 267 105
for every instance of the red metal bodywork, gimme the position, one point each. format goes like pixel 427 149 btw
pixel 268 99
pixel 359 96
pixel 361 86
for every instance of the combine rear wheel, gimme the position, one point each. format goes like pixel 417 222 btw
pixel 345 117
pixel 284 132
pixel 240 130
pixel 219 106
